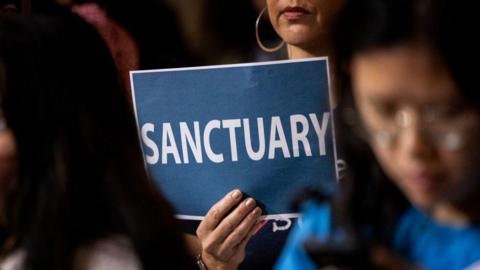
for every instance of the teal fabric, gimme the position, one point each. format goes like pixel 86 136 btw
pixel 435 246
pixel 314 222
pixel 418 239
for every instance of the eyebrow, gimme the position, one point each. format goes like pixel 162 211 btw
pixel 400 98
pixel 379 99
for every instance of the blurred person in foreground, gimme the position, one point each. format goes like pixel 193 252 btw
pixel 77 195
pixel 410 124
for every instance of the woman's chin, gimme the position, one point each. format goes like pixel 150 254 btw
pixel 301 37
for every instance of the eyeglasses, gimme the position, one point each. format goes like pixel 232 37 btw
pixel 448 130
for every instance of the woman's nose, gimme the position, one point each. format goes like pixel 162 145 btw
pixel 413 136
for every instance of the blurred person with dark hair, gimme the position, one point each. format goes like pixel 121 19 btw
pixel 232 38
pixel 409 123
pixel 140 35
pixel 217 31
pixel 76 195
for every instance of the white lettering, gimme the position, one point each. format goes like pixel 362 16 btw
pixel 146 128
pixel 276 128
pixel 248 140
pixel 232 125
pixel 320 131
pixel 169 148
pixel 195 146
pixel 217 158
pixel 299 136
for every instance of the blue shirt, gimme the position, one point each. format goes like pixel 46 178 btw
pixel 435 246
pixel 315 222
pixel 418 239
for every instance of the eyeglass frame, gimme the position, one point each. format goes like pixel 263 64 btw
pixel 454 140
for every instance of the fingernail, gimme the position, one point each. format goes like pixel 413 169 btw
pixel 249 202
pixel 236 194
pixel 257 212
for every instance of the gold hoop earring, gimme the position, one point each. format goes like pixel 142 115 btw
pixel 259 42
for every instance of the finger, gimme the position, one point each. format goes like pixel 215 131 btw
pixel 238 254
pixel 231 251
pixel 218 211
pixel 243 229
pixel 230 223
pixel 244 242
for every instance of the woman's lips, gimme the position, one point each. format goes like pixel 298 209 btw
pixel 423 182
pixel 294 13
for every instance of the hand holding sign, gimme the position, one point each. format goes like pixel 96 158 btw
pixel 224 235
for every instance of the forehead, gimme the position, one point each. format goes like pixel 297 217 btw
pixel 407 73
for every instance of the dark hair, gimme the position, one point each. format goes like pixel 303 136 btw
pixel 81 175
pixel 152 24
pixel 230 24
pixel 446 28
pixel 155 29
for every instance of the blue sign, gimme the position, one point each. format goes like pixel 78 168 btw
pixel 265 128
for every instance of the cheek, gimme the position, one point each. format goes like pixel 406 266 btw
pixel 463 172
pixel 393 165
pixel 271 4
pixel 331 8
pixel 388 161
pixel 7 145
pixel 319 24
pixel 272 18
pixel 272 9
pixel 271 15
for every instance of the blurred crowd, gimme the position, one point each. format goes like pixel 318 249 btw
pixel 407 117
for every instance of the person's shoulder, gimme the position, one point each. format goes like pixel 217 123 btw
pixel 109 253
pixel 411 225
pixel 467 244
pixel 461 246
pixel 437 246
